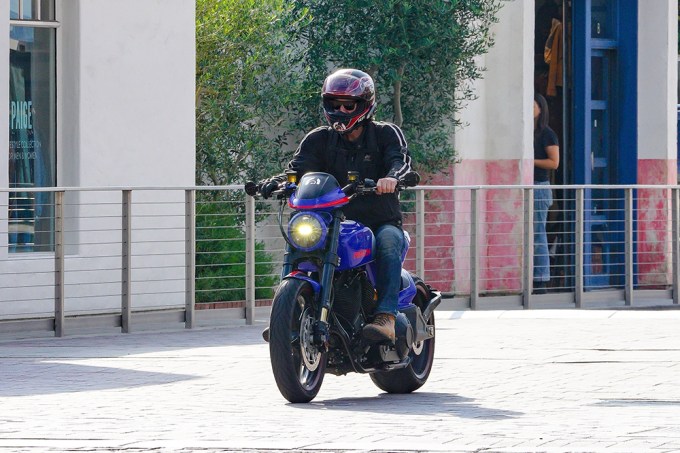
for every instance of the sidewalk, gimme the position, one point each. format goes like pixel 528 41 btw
pixel 508 381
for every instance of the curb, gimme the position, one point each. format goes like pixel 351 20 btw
pixel 635 313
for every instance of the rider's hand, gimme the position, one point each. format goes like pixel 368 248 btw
pixel 386 185
pixel 267 186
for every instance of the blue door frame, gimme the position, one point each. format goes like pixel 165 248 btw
pixel 604 137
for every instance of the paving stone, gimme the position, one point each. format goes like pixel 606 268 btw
pixel 538 381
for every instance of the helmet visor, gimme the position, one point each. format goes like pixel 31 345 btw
pixel 345 105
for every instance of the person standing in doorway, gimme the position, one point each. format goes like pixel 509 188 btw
pixel 546 158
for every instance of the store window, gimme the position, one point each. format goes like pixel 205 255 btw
pixel 32 125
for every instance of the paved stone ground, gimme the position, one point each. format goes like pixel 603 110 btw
pixel 507 381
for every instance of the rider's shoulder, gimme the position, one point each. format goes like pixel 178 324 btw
pixel 387 130
pixel 315 136
pixel 386 127
pixel 321 131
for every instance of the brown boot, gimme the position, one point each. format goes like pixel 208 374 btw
pixel 265 334
pixel 381 329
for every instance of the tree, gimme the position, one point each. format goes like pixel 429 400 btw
pixel 243 87
pixel 422 55
pixel 242 59
pixel 260 64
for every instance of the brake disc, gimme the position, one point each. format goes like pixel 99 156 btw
pixel 311 356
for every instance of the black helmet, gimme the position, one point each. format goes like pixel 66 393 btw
pixel 348 85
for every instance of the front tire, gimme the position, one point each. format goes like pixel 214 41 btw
pixel 298 365
pixel 414 376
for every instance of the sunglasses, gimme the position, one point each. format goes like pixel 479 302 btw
pixel 349 106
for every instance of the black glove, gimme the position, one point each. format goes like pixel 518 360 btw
pixel 251 188
pixel 267 186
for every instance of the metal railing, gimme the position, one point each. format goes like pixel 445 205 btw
pixel 130 258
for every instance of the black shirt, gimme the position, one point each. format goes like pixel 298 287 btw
pixel 542 139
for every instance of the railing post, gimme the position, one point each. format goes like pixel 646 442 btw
pixel 474 253
pixel 628 247
pixel 59 316
pixel 420 233
pixel 528 268
pixel 189 257
pixel 675 241
pixel 126 253
pixel 250 260
pixel 578 255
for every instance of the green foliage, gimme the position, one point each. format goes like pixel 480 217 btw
pixel 422 55
pixel 221 256
pixel 260 64
pixel 243 88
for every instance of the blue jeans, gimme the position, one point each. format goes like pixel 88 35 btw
pixel 542 201
pixel 390 244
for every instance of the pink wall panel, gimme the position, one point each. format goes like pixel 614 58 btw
pixel 654 222
pixel 500 234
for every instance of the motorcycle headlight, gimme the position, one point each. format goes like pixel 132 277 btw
pixel 307 231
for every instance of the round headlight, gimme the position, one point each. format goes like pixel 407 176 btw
pixel 307 231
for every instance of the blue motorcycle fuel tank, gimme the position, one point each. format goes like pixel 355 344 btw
pixel 356 246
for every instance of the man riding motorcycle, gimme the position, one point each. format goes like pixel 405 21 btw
pixel 377 150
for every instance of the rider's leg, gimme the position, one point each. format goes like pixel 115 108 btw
pixel 390 244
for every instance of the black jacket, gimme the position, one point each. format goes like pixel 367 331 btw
pixel 381 151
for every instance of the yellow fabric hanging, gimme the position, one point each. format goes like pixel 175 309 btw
pixel 552 55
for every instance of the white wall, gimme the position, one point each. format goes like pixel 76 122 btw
pixel 657 79
pixel 500 120
pixel 135 67
pixel 126 84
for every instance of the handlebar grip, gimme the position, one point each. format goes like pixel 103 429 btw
pixel 251 188
pixel 410 179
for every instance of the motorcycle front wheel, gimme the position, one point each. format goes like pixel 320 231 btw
pixel 298 365
pixel 414 376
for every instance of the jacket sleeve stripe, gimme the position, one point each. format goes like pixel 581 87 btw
pixel 406 167
pixel 399 133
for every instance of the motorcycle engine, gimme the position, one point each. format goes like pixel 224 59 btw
pixel 348 291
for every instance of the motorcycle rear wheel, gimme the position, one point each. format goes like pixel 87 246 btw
pixel 298 365
pixel 414 376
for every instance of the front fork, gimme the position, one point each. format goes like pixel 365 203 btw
pixel 330 263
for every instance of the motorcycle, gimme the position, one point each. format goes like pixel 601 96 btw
pixel 327 295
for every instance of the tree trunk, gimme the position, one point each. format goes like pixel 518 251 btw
pixel 396 100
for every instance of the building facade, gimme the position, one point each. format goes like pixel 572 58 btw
pixel 100 93
pixel 611 85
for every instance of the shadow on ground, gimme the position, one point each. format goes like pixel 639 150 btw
pixel 45 377
pixel 417 403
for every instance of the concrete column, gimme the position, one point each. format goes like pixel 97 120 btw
pixel 497 148
pixel 657 136
pixel 657 84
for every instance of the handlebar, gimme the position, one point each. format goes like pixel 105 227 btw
pixel 367 186
pixel 410 179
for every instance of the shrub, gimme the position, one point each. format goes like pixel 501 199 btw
pixel 221 256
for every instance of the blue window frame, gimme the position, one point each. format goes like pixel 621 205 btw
pixel 604 127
